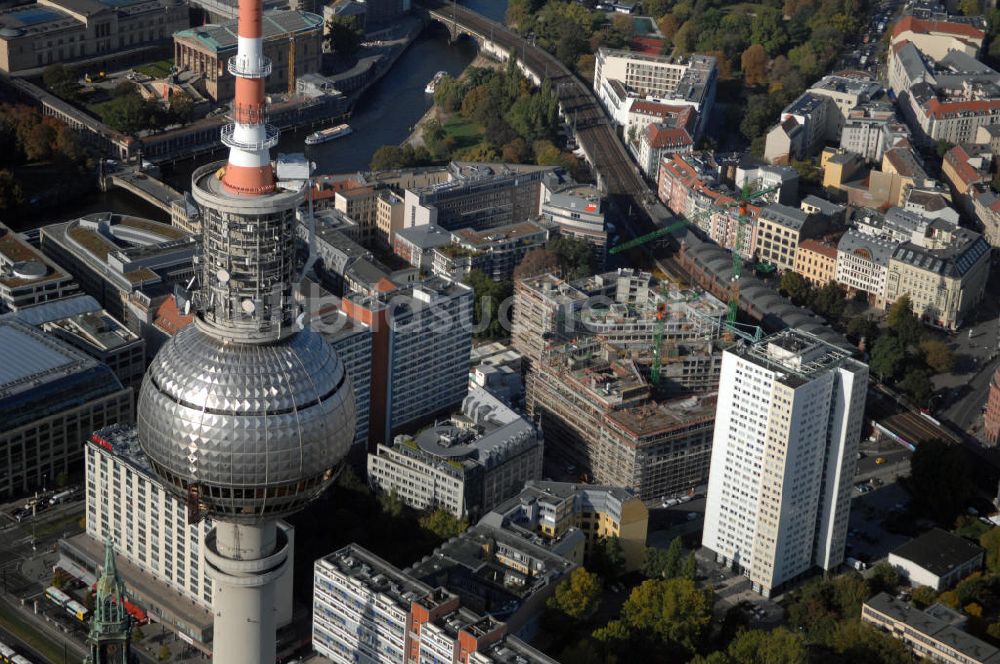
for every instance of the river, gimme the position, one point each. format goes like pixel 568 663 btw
pixel 384 116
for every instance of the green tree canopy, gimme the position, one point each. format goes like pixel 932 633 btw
pixel 344 34
pixel 990 540
pixel 443 523
pixel 578 595
pixel 887 355
pixel 778 646
pixel 674 613
pixel 902 321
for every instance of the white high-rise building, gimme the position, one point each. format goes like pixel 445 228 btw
pixel 149 527
pixel 783 457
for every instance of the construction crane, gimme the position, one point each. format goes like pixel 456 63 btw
pixel 746 196
pixel 643 239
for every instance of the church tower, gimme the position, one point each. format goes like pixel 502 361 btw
pixel 111 625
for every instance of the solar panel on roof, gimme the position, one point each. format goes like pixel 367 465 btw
pixel 35 16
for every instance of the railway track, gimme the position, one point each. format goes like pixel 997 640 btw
pixel 595 132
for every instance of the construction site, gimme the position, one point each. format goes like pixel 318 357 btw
pixel 623 374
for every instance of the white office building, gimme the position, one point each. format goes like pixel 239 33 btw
pixel 789 419
pixel 150 530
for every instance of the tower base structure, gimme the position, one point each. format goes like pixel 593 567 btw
pixel 245 562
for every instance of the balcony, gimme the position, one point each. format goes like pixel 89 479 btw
pixel 243 66
pixel 269 140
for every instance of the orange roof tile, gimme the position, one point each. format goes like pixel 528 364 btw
pixel 928 26
pixel 170 319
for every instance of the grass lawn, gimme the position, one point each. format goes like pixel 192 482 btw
pixel 158 69
pixel 465 132
pixel 97 109
pixel 22 629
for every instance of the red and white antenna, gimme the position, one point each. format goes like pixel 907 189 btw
pixel 249 137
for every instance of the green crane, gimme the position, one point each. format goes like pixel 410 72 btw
pixel 643 239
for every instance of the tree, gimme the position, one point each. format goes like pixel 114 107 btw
pixel 674 613
pixel 917 383
pixel 759 115
pixel 654 562
pixel 937 355
pixel 164 653
pixel 489 298
pixel 903 322
pixel 887 356
pixel 443 523
pixel 477 104
pixel 607 557
pixel 37 143
pixel 753 62
pixel 585 65
pixel 990 540
pixel 576 258
pixel 689 570
pixel 182 107
pixel 883 578
pixel 449 94
pixel 10 191
pixel 535 262
pixel 391 504
pixel 939 480
pixel 856 641
pixel 829 301
pixel 768 30
pixel 970 7
pixel 578 595
pixel 138 634
pixel 344 34
pixel 672 560
pixel 61 81
pixel 795 286
pixel 129 113
pixel 862 327
pixel 779 646
pixel 923 596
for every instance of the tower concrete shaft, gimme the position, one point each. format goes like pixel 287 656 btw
pixel 245 561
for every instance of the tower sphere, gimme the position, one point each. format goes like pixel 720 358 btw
pixel 257 429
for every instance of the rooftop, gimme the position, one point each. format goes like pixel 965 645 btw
pixel 935 623
pixel 483 239
pixel 41 374
pixel 938 551
pixel 795 356
pixel 21 264
pixel 276 24
pixel 98 329
pixel 785 215
pixel 376 574
pixel 484 431
pixel 425 237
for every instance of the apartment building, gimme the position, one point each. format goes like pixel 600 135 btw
pixel 416 244
pixel 467 464
pixel 292 40
pixel 780 229
pixel 476 195
pixel 46 32
pixel 943 268
pixel 816 260
pixel 871 129
pixel 936 634
pixel 128 264
pixel 163 552
pixel 366 610
pixel 790 412
pixel 421 337
pixel 673 133
pixel 389 214
pixel 686 181
pixel 360 204
pixel 507 573
pixel 551 509
pixel 495 251
pixel 28 277
pixel 51 396
pixel 352 341
pixel 598 413
pixel 621 77
pixel 863 264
